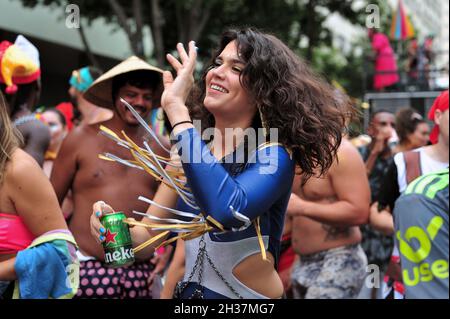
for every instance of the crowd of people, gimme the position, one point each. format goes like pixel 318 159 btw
pixel 393 69
pixel 250 185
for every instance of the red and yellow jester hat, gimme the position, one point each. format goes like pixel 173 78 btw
pixel 19 63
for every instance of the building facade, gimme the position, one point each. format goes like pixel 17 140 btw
pixel 60 45
pixel 431 17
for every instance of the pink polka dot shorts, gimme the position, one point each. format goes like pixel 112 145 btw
pixel 99 281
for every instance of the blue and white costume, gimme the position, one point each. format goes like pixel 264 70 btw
pixel 227 210
pixel 234 196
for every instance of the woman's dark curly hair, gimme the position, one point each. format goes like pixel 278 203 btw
pixel 291 98
pixel 406 122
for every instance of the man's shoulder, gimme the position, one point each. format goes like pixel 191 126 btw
pixel 429 185
pixel 347 148
pixel 347 158
pixel 83 133
pixel 32 126
pixel 83 137
pixel 426 195
pixel 87 129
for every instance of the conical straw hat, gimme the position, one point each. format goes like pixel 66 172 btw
pixel 100 92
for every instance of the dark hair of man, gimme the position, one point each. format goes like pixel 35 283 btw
pixel 140 79
pixel 374 114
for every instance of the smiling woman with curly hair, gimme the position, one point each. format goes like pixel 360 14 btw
pixel 254 81
pixel 288 95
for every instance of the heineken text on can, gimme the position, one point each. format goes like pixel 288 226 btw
pixel 117 245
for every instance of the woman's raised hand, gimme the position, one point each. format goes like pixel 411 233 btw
pixel 177 90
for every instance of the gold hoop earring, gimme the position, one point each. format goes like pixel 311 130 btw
pixel 263 122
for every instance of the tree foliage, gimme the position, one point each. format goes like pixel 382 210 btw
pixel 294 21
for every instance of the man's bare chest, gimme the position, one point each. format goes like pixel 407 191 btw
pixel 317 189
pixel 93 171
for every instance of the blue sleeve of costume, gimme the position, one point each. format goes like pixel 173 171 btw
pixel 42 271
pixel 268 175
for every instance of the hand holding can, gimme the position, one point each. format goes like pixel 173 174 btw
pixel 99 209
pixel 114 235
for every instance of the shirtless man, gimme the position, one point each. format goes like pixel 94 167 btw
pixel 79 169
pixel 326 213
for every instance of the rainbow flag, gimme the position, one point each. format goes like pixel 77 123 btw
pixel 401 27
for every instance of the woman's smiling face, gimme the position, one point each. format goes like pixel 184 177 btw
pixel 224 92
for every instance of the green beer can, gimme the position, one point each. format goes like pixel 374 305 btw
pixel 117 245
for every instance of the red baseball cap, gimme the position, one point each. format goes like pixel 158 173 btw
pixel 441 103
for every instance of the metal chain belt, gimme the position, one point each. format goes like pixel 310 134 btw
pixel 199 264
